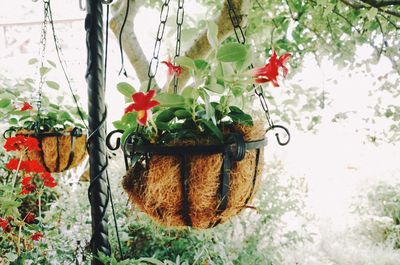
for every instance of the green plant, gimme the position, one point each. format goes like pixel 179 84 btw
pixel 221 95
pixel 25 192
pixel 380 213
pixel 19 108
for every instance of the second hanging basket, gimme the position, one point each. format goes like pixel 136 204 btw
pixel 60 151
pixel 197 185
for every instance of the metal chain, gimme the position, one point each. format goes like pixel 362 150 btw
pixel 153 66
pixel 42 52
pixel 180 13
pixel 63 64
pixel 241 38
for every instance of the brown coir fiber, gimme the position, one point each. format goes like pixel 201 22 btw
pixel 56 150
pixel 157 189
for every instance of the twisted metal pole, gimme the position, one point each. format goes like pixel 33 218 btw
pixel 98 192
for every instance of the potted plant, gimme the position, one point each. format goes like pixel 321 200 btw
pixel 196 155
pixel 57 127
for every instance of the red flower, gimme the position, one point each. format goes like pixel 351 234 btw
pixel 269 72
pixel 32 144
pixel 143 103
pixel 172 68
pixel 48 180
pixel 37 236
pixel 33 166
pixel 13 164
pixel 27 186
pixel 19 142
pixel 5 225
pixel 29 218
pixel 26 106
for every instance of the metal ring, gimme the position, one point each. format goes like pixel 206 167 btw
pixel 273 127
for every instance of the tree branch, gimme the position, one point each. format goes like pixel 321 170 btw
pixel 201 48
pixel 130 43
pixel 383 3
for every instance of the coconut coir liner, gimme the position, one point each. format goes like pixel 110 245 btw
pixel 157 189
pixel 56 156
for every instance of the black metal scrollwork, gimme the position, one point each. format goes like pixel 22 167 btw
pixel 274 127
pixel 117 140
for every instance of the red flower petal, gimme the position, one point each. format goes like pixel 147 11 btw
pixel 26 106
pixel 142 117
pixel 34 166
pixel 29 218
pixel 152 104
pixel 32 144
pixel 13 164
pixel 37 236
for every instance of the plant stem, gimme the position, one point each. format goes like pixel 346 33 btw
pixel 19 240
pixel 16 173
pixel 40 207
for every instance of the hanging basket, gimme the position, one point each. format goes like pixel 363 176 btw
pixel 59 150
pixel 197 185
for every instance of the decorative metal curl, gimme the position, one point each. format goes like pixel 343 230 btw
pixel 9 132
pixel 273 127
pixel 117 141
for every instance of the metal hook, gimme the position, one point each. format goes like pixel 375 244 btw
pixel 81 6
pixel 117 141
pixel 273 127
pixel 106 2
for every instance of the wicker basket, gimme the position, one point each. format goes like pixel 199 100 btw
pixel 59 150
pixel 201 187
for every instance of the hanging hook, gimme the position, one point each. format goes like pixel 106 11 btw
pixel 81 6
pixel 273 127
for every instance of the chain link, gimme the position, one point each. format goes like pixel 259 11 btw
pixel 180 14
pixel 153 66
pixel 241 38
pixel 42 52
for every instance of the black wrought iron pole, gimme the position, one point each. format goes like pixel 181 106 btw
pixel 98 194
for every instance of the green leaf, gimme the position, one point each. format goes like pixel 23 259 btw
pixel 126 89
pixel 52 63
pixel 241 118
pixel 212 33
pixel 170 100
pixel 165 116
pixel 11 256
pixel 185 62
pixel 33 61
pixel 53 85
pixel 232 52
pixel 182 114
pixel 162 125
pixel 44 70
pixel 201 64
pixel 65 116
pixel 119 125
pixel 130 119
pixel 5 102
pixel 190 92
pixel 213 129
